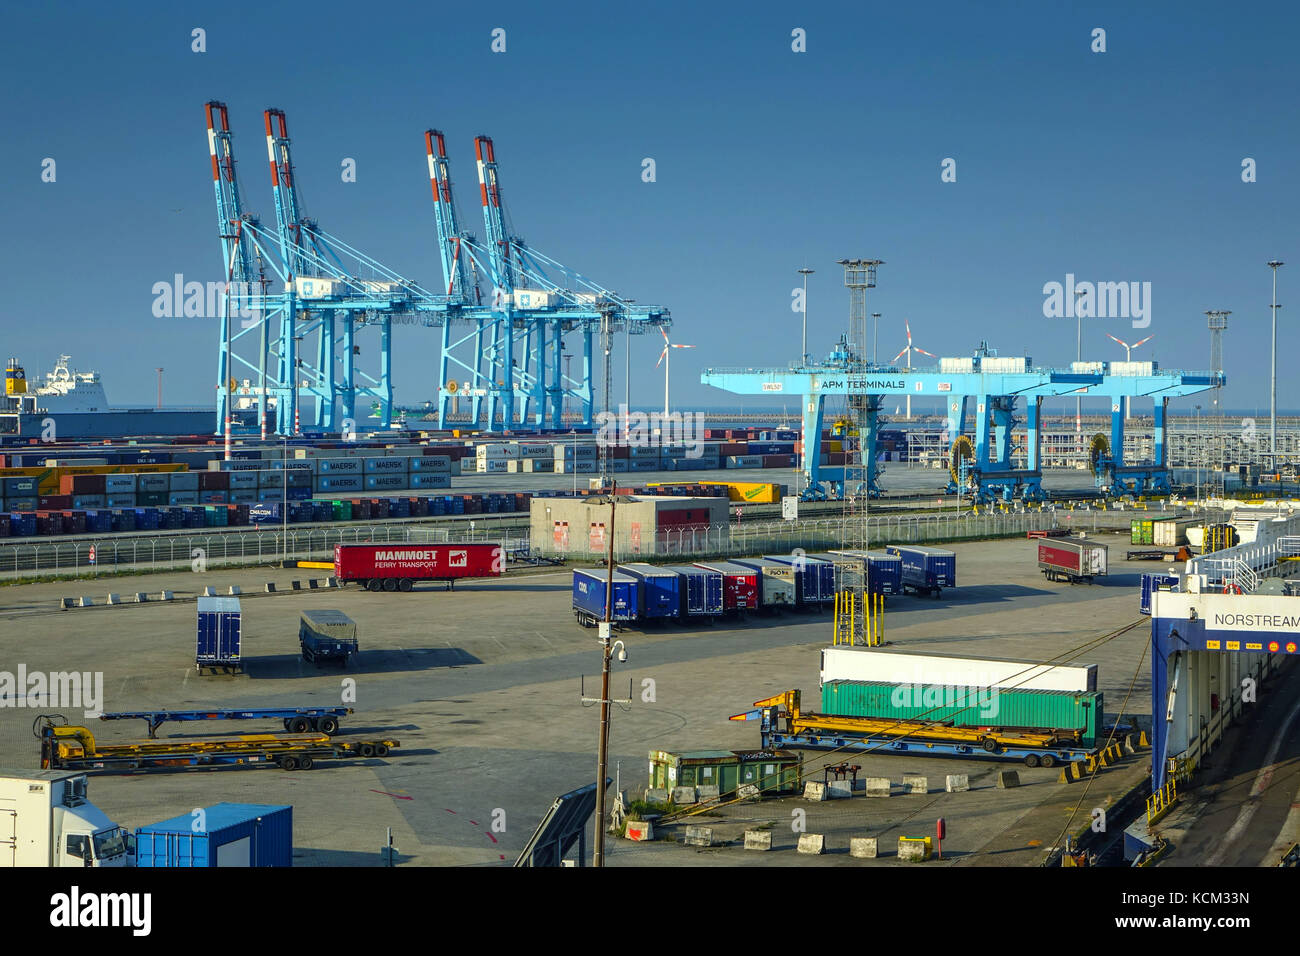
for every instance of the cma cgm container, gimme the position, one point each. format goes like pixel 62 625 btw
pixel 589 596
pixel 776 583
pixel 926 570
pixel 700 590
pixel 739 585
pixel 895 667
pixel 1155 581
pixel 1071 559
pixel 1066 712
pixel 814 578
pixel 218 641
pixel 232 834
pixel 395 567
pixel 660 592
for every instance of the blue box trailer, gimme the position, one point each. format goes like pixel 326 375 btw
pixel 660 591
pixel 926 570
pixel 1155 581
pixel 217 644
pixel 700 591
pixel 227 834
pixel 589 596
pixel 814 578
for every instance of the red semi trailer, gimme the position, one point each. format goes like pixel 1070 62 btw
pixel 1072 559
pixel 739 585
pixel 395 567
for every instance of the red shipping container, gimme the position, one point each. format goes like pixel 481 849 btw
pixel 361 509
pixel 81 484
pixel 214 480
pixel 778 461
pixel 53 502
pixel 618 451
pixel 733 448
pixel 739 586
pixel 392 567
pixel 379 507
pixel 473 504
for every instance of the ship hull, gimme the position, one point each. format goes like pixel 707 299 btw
pixel 123 423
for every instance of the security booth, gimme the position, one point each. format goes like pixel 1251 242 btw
pixel 774 772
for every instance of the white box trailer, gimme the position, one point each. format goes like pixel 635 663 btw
pixel 776 582
pixel 896 667
pixel 46 820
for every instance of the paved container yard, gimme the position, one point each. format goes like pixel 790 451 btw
pixel 482 688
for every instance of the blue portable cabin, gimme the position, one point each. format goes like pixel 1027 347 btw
pixel 589 596
pixel 814 577
pixel 230 834
pixel 700 590
pixel 659 595
pixel 218 640
pixel 1155 581
pixel 926 569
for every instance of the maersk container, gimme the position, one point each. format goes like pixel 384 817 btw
pixel 700 590
pixel 227 834
pixel 968 706
pixel 660 592
pixel 814 578
pixel 898 667
pixel 218 632
pixel 776 582
pixel 926 569
pixel 589 596
pixel 1155 581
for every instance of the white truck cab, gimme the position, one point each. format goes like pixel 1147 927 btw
pixel 47 820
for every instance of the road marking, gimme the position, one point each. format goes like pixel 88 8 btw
pixel 1262 780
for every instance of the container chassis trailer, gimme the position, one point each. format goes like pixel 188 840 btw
pixel 785 726
pixel 297 720
pixel 69 747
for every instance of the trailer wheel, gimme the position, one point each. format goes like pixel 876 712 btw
pixel 305 763
pixel 1031 760
pixel 366 750
pixel 328 726
pixel 989 744
pixel 374 584
pixel 381 750
pixel 288 763
pixel 390 584
pixel 299 725
pixel 1047 760
pixel 404 584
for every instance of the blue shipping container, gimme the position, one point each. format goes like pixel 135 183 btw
pixel 232 834
pixel 884 573
pixel 218 632
pixel 589 595
pixel 700 589
pixel 1153 581
pixel 660 593
pixel 926 569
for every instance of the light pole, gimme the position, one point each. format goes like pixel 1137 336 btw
pixel 1198 456
pixel 1272 400
pixel 606 626
pixel 284 506
pixel 1078 357
pixel 803 356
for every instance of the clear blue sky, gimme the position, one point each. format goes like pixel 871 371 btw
pixel 1123 165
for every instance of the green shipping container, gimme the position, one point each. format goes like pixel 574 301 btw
pixel 773 771
pixel 1141 531
pixel 968 706
pixel 342 510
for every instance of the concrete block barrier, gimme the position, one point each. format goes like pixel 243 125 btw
pixel 914 850
pixel 114 598
pixel 640 830
pixel 957 782
pixel 270 587
pixel 758 839
pixel 814 791
pixel 84 601
pixel 708 794
pixel 839 789
pixel 209 591
pixel 699 836
pixel 684 795
pixel 234 590
pixel 1008 779
pixel 165 595
pixel 864 848
pixel 141 597
pixel 656 795
pixel 878 786
pixel 813 844
pixel 65 603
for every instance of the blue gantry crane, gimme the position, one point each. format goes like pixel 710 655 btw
pixel 534 302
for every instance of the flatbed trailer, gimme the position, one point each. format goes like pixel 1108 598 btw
pixel 1160 554
pixel 785 725
pixel 68 747
pixel 297 720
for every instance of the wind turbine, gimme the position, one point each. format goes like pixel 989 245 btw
pixel 908 352
pixel 664 360
pixel 1128 357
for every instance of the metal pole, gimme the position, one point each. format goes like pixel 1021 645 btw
pixel 160 371
pixel 1272 401
pixel 602 756
pixel 284 507
pixel 803 356
pixel 875 335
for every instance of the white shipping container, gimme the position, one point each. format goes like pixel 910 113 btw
pixel 894 667
pixel 573 451
pixel 496 450
pixel 1133 368
pixel 1088 368
pixel 956 365
pixel 313 288
pixel 535 451
pixel 493 466
pixel 1005 364
pixel 535 299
